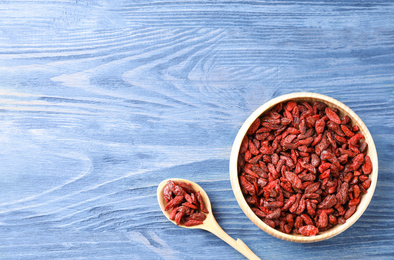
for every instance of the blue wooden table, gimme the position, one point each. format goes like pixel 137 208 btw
pixel 102 100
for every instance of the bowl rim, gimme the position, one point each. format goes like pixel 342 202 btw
pixel 233 165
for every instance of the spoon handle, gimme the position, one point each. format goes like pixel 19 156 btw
pixel 238 244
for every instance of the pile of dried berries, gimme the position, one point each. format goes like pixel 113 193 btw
pixel 187 205
pixel 302 169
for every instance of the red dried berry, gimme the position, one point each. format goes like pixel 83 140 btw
pixel 357 161
pixel 332 116
pixel 178 217
pixel 350 212
pixel 202 204
pixel 355 139
pixel 173 203
pixel 254 126
pixel 198 216
pixel 308 230
pixel 367 167
pixel 319 126
pixel 347 131
pixel 192 222
pixel 328 202
pixel 323 220
pixel 293 179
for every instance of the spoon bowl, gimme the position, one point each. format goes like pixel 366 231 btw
pixel 209 223
pixel 196 187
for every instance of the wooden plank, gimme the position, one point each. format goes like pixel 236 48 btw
pixel 102 100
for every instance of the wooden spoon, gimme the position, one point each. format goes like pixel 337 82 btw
pixel 209 223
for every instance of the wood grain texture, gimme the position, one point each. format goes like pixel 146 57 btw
pixel 102 100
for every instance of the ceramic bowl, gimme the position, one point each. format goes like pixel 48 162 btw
pixel 343 110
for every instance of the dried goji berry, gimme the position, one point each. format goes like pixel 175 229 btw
pixel 186 187
pixel 367 167
pixel 354 202
pixel 363 147
pixel 301 206
pixel 309 208
pixel 332 115
pixel 178 217
pixel 201 202
pixel 198 216
pixel 328 202
pixel 294 207
pixel 289 203
pixel 254 126
pixel 319 126
pixel 357 161
pixel 174 202
pixel 298 223
pixel 355 139
pixel 190 205
pixel 293 179
pixel 259 213
pixel 366 184
pixel 275 214
pixel 323 220
pixel 347 131
pixel 308 230
pixel 173 213
pixel 350 212
pixel 312 187
pixel 192 222
pixel 167 193
pixel 307 219
pixel 290 105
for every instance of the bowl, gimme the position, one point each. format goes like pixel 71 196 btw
pixel 342 110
